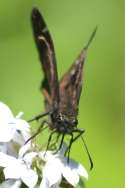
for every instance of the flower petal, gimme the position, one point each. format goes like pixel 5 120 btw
pixel 51 175
pixel 82 171
pixel 11 183
pixel 5 113
pixel 70 175
pixel 45 184
pixel 22 131
pixel 72 171
pixel 3 147
pixel 6 132
pixel 62 151
pixel 29 177
pixel 29 157
pixel 46 156
pixel 13 171
pixel 24 149
pixel 12 148
pixel 6 160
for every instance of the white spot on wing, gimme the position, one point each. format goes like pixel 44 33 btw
pixel 45 29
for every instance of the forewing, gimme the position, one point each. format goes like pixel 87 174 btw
pixel 71 86
pixel 71 83
pixel 44 43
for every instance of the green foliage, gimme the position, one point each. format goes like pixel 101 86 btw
pixel 102 104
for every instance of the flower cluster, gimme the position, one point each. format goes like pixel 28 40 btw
pixel 19 162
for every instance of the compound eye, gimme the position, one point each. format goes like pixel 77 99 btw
pixel 75 122
pixel 59 118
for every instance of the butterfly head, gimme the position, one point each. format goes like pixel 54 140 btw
pixel 65 123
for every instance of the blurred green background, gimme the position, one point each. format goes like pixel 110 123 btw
pixel 102 104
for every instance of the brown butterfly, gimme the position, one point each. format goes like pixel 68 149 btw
pixel 61 97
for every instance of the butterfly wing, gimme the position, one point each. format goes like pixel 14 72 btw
pixel 44 43
pixel 71 83
pixel 71 86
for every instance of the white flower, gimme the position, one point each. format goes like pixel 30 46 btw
pixel 12 130
pixel 56 167
pixel 10 183
pixel 19 169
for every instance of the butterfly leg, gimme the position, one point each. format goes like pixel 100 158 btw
pixel 80 131
pixel 69 147
pixel 72 140
pixel 39 116
pixel 60 145
pixel 49 139
pixel 55 142
pixel 41 128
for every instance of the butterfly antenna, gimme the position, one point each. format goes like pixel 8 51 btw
pixel 91 38
pixel 90 159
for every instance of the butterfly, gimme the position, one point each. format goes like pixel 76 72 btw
pixel 61 97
